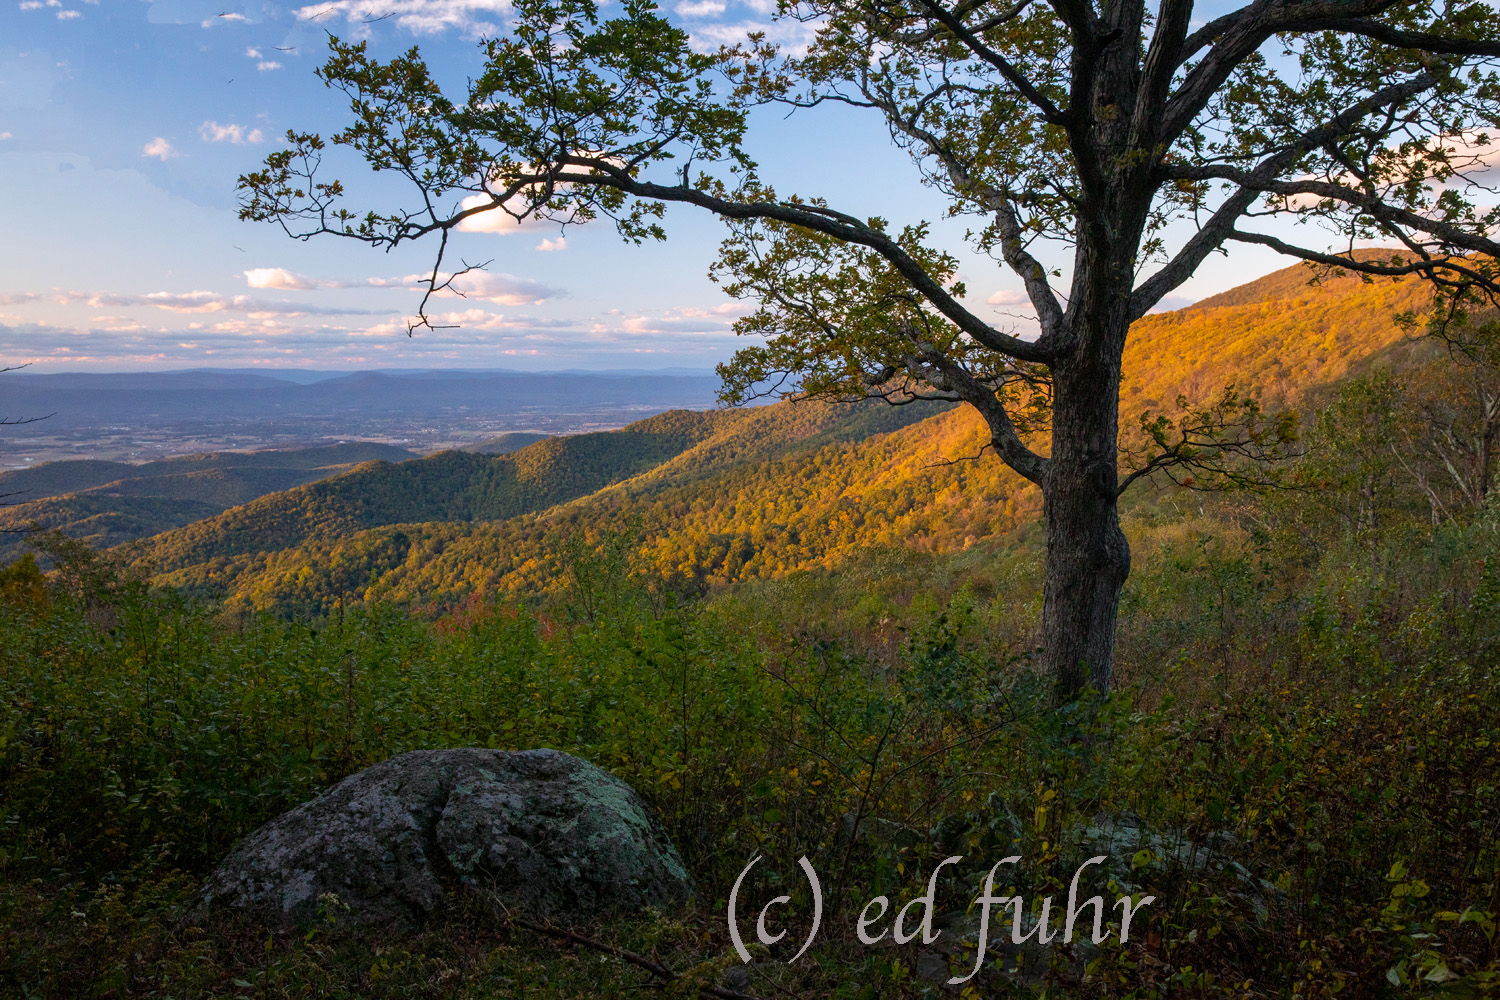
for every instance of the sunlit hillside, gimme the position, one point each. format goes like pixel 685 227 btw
pixel 1278 336
pixel 725 496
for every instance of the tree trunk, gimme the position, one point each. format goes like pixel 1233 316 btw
pixel 1088 557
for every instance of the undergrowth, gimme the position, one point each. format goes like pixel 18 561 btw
pixel 1305 777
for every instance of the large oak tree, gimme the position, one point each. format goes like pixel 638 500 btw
pixel 1133 138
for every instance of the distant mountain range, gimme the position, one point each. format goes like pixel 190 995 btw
pixel 145 399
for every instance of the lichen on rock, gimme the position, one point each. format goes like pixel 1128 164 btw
pixel 538 831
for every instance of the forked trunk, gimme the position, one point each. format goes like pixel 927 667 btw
pixel 1088 557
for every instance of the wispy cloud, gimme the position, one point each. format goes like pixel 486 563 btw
pixel 700 8
pixel 228 17
pixel 792 37
pixel 160 149
pixel 69 15
pixel 687 321
pixel 39 4
pixel 472 320
pixel 201 302
pixel 550 244
pixel 420 17
pixel 499 288
pixel 267 64
pixel 1009 297
pixel 487 286
pixel 237 134
pixel 476 335
pixel 281 278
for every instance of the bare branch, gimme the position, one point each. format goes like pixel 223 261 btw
pixel 1429 268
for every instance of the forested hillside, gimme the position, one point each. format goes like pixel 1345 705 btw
pixel 718 497
pixel 108 503
pixel 446 492
pixel 55 478
pixel 1279 334
pixel 504 444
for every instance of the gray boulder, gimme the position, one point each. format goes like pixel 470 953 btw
pixel 539 831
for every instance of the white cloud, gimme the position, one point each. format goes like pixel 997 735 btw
pixel 237 134
pixel 202 302
pixel 700 8
pixel 69 15
pixel 691 321
pixel 473 319
pixel 267 64
pixel 280 278
pixel 420 17
pixel 560 243
pixel 159 148
pixel 253 53
pixel 1009 297
pixel 723 309
pixel 39 4
pixel 496 220
pixel 5 135
pixel 791 36
pixel 231 16
pixel 118 342
pixel 497 287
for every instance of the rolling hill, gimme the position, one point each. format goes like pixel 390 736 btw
pixel 458 486
pixel 56 478
pixel 723 496
pixel 109 503
pixel 504 444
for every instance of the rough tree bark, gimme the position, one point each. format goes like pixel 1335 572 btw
pixel 1088 557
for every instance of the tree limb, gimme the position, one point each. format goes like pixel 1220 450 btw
pixel 836 224
pixel 1252 184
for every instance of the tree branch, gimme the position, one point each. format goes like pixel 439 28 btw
pixel 1367 203
pixel 1252 184
pixel 1427 267
pixel 1241 33
pixel 821 220
pixel 1423 41
pixel 945 375
pixel 1050 112
pixel 1012 248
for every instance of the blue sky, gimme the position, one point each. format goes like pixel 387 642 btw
pixel 124 124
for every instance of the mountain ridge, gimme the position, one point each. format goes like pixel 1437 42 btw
pixel 727 495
